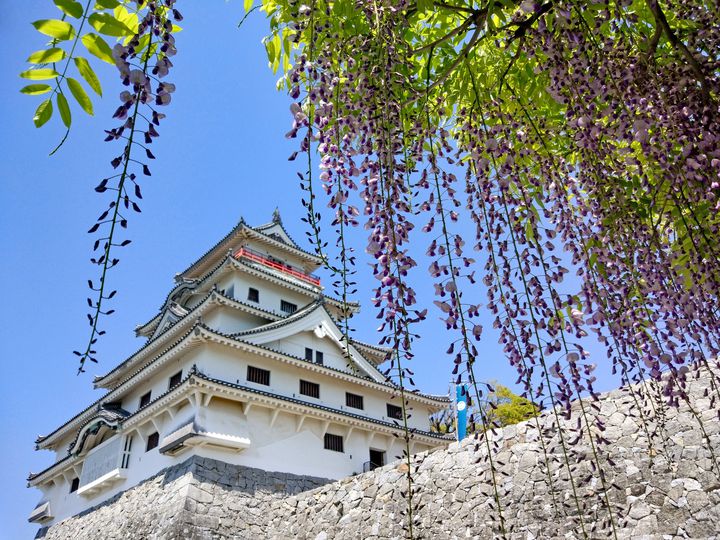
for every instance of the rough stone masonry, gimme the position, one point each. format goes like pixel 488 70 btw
pixel 660 482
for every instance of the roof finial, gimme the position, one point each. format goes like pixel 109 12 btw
pixel 276 216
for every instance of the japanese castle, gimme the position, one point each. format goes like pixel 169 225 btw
pixel 246 362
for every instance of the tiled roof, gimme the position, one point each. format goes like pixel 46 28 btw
pixel 198 325
pixel 341 412
pixel 96 404
pixel 232 260
pixel 109 415
pixel 195 373
pixel 202 303
pixel 242 225
pixel 296 316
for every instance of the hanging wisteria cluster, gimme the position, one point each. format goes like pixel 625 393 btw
pixel 588 141
pixel 557 163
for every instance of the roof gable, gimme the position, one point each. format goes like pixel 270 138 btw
pixel 273 234
pixel 277 232
pixel 312 318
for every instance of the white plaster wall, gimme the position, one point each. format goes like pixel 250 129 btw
pixel 280 448
pixel 332 355
pixel 285 449
pixel 229 321
pixel 142 465
pixel 270 294
pixel 158 383
pixel 231 365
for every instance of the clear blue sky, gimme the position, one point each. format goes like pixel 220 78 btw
pixel 221 154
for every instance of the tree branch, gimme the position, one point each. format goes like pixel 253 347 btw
pixel 676 42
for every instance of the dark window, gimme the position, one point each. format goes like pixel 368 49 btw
pixel 152 441
pixel 230 291
pixel 308 354
pixel 354 401
pixel 393 411
pixel 319 358
pixel 125 462
pixel 333 442
pixel 259 376
pixel 175 380
pixel 287 307
pixel 74 485
pixel 308 388
pixel 377 459
pixel 253 295
pixel 145 399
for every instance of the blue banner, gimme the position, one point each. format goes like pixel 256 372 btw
pixel 461 401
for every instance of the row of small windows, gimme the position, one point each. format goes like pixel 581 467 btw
pixel 319 356
pixel 172 383
pixel 254 296
pixel 262 376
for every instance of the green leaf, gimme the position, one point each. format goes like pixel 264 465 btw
pixel 39 74
pixel 108 25
pixel 88 74
pixel 35 89
pixel 64 109
pixel 80 95
pixel 125 17
pixel 43 113
pixel 55 28
pixel 98 47
pixel 46 56
pixel 69 7
pixel 107 4
pixel 248 5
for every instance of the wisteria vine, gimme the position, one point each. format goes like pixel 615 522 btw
pixel 142 62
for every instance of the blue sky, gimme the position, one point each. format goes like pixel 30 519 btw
pixel 221 154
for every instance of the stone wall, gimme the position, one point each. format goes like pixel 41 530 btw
pixel 660 482
pixel 199 498
pixel 659 487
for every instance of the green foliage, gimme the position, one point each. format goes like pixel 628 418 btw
pixel 80 95
pixel 36 89
pixel 39 74
pixel 64 109
pixel 70 8
pixel 46 56
pixel 43 113
pixel 55 28
pixel 88 74
pixel 98 47
pixel 107 24
pixel 506 408
pixel 502 408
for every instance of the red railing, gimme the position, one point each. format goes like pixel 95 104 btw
pixel 258 258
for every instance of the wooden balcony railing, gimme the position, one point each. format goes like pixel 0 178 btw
pixel 245 253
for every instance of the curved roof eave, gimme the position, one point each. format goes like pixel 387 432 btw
pixel 213 297
pixel 239 229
